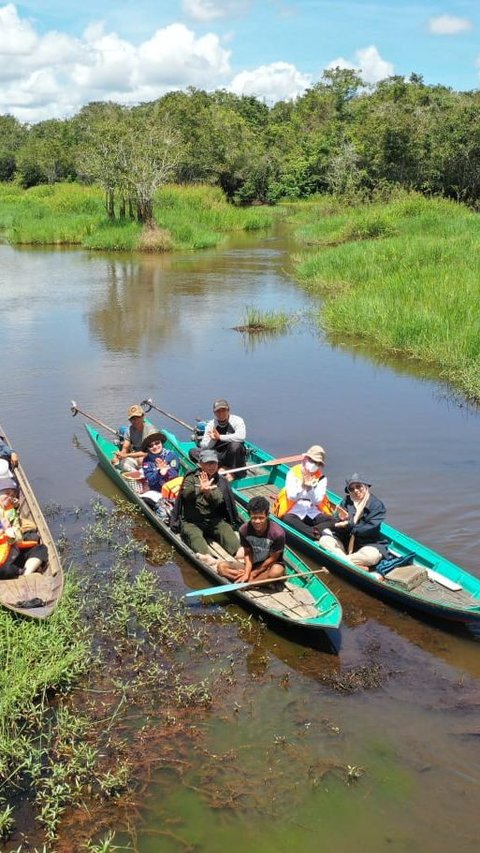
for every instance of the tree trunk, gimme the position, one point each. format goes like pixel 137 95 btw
pixel 110 204
pixel 145 211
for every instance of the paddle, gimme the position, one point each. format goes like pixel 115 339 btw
pixel 151 405
pixel 279 461
pixel 76 411
pixel 234 587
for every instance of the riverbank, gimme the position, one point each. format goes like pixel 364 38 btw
pixel 68 757
pixel 187 217
pixel 399 276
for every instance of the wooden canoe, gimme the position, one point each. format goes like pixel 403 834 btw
pixel 448 592
pixel 35 595
pixel 304 601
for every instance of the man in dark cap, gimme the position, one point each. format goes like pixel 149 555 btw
pixel 205 509
pixel 226 434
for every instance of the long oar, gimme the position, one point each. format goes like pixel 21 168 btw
pixel 151 405
pixel 233 587
pixel 280 461
pixel 76 411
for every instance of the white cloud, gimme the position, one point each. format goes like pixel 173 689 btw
pixel 369 64
pixel 274 82
pixel 448 25
pixel 211 10
pixel 55 74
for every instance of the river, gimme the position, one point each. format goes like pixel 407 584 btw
pixel 111 330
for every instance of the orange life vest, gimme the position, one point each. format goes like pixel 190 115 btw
pixel 6 545
pixel 171 488
pixel 283 503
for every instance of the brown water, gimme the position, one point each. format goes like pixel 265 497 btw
pixel 109 331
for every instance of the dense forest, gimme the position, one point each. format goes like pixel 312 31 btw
pixel 340 137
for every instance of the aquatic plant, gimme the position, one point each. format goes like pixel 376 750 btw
pixel 256 320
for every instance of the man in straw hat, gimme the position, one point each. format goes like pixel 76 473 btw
pixel 303 503
pixel 130 456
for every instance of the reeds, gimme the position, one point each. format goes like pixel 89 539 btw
pixel 404 277
pixel 256 320
pixel 188 217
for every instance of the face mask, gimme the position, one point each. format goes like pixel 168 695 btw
pixel 311 467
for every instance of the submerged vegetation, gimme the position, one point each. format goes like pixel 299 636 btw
pixel 400 276
pixel 70 214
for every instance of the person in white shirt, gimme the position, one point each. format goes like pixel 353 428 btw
pixel 305 495
pixel 225 434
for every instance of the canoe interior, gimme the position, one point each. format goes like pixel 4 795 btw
pixel 431 596
pixel 303 601
pixel 45 587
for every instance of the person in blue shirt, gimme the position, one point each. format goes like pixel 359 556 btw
pixel 159 465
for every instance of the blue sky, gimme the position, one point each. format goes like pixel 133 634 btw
pixel 56 56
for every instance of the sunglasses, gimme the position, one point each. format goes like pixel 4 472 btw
pixel 156 444
pixel 355 487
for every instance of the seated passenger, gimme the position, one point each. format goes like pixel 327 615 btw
pixel 205 509
pixel 159 465
pixel 130 456
pixel 226 435
pixel 20 553
pixel 356 535
pixel 7 453
pixel 263 542
pixel 303 503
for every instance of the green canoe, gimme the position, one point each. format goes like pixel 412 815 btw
pixel 303 602
pixel 447 591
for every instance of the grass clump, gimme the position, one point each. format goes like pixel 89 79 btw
pixel 400 275
pixel 256 320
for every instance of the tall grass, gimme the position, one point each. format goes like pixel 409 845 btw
pixel 403 276
pixel 192 217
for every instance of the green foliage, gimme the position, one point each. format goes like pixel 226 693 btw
pixel 401 292
pixel 69 214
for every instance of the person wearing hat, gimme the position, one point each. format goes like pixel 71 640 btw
pixel 225 434
pixel 130 456
pixel 205 509
pixel 303 503
pixel 356 532
pixel 159 465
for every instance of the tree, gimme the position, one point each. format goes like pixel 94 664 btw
pixel 12 137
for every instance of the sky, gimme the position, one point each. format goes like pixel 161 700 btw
pixel 57 55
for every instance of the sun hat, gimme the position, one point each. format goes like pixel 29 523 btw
pixel 135 411
pixel 221 404
pixel 357 478
pixel 316 453
pixel 154 436
pixel 208 456
pixel 7 483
